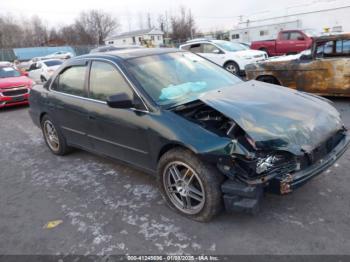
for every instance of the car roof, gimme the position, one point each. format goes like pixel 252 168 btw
pixel 132 53
pixel 48 60
pixel 198 41
pixel 333 36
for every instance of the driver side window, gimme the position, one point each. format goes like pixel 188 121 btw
pixel 210 49
pixel 106 80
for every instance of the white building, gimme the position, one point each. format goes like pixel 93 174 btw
pixel 319 16
pixel 151 36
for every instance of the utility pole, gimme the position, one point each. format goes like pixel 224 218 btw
pixel 2 47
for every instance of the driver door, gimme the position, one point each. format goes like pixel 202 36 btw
pixel 117 133
pixel 212 53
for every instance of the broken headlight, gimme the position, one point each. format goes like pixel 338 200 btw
pixel 273 161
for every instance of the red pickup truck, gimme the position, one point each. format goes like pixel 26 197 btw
pixel 287 42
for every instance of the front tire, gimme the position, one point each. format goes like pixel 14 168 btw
pixel 53 137
pixel 189 185
pixel 232 67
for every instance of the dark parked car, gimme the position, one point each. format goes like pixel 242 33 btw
pixel 108 48
pixel 211 139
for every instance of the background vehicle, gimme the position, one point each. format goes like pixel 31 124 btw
pixel 287 42
pixel 232 56
pixel 60 55
pixel 102 49
pixel 41 71
pixel 210 138
pixel 14 87
pixel 324 71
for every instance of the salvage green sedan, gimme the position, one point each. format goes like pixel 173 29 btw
pixel 212 140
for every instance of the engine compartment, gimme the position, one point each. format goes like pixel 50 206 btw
pixel 210 119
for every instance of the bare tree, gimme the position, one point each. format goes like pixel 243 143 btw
pixel 97 24
pixel 10 32
pixel 182 25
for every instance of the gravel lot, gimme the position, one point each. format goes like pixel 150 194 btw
pixel 109 208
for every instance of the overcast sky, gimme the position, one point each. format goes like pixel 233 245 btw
pixel 209 14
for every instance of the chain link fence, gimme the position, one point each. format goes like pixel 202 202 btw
pixel 25 54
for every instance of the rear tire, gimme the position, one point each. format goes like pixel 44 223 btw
pixel 189 185
pixel 53 137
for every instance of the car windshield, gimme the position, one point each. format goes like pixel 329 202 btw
pixel 177 78
pixel 53 63
pixel 231 47
pixel 8 72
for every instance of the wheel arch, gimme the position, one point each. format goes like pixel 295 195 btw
pixel 170 146
pixel 231 61
pixel 42 114
pixel 260 77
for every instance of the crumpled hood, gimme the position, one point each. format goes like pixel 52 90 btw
pixel 276 117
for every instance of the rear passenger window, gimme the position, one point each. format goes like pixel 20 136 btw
pixel 284 36
pixel 343 47
pixel 106 80
pixel 196 48
pixel 71 81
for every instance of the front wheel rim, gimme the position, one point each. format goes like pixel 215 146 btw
pixel 231 68
pixel 184 187
pixel 51 135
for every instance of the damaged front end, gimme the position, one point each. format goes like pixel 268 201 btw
pixel 278 163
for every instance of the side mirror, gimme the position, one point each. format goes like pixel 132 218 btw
pixel 301 38
pixel 24 73
pixel 121 100
pixel 216 51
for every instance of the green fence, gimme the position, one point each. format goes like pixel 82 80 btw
pixel 7 55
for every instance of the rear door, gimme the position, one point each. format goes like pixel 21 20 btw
pixel 118 133
pixel 68 105
pixel 341 67
pixel 326 73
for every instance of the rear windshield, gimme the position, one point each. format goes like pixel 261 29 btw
pixel 53 63
pixel 8 72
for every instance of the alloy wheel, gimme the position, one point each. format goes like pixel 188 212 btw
pixel 184 187
pixel 51 135
pixel 231 68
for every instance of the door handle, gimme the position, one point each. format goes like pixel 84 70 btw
pixel 90 117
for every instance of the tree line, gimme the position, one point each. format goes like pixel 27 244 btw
pixel 89 28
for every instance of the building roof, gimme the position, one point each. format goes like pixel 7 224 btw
pixel 149 31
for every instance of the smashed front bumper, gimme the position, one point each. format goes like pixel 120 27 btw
pixel 244 197
pixel 287 183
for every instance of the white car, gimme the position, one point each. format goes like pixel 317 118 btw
pixel 60 55
pixel 232 56
pixel 41 71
